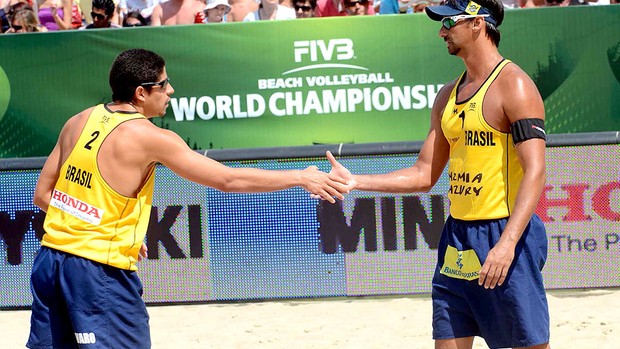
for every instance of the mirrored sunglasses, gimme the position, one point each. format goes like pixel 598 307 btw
pixel 449 22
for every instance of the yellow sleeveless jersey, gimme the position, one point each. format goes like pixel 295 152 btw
pixel 484 170
pixel 86 217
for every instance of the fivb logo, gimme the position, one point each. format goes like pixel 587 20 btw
pixel 334 49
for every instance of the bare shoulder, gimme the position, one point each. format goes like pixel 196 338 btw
pixel 513 80
pixel 73 127
pixel 519 95
pixel 139 130
pixel 442 98
pixel 444 92
pixel 79 118
pixel 145 137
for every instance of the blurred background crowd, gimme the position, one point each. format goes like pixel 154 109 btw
pixel 21 16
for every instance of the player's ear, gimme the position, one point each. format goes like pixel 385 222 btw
pixel 140 93
pixel 478 23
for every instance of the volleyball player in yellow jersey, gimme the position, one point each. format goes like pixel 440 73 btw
pixel 488 125
pixel 97 187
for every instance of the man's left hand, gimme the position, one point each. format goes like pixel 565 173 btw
pixel 496 265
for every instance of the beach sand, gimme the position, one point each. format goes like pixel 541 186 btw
pixel 580 319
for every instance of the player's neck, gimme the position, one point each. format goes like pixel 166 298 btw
pixel 480 62
pixel 124 106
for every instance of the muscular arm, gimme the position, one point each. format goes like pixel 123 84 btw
pixel 521 99
pixel 170 150
pixel 427 169
pixel 47 179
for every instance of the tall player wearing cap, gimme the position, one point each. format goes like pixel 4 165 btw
pixel 488 127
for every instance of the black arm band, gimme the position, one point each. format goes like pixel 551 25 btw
pixel 525 129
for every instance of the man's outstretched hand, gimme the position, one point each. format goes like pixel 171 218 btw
pixel 324 186
pixel 339 174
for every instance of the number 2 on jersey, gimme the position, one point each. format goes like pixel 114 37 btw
pixel 94 135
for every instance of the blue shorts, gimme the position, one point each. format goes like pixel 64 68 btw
pixel 78 303
pixel 512 315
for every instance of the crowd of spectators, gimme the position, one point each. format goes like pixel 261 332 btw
pixel 20 16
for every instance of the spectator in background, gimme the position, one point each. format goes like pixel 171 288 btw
pixel 239 9
pixel 563 3
pixel 216 11
pixel 134 19
pixel 531 3
pixel 329 8
pixel 144 7
pixel 55 14
pixel 84 6
pixel 420 5
pixel 404 6
pixel 25 21
pixel 269 10
pixel 599 2
pixel 4 21
pixel 305 8
pixel 332 8
pixel 356 7
pixel 175 12
pixel 389 7
pixel 102 13
pixel 12 8
pixel 534 3
pixel 5 6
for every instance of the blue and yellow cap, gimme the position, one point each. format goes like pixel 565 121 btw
pixel 459 7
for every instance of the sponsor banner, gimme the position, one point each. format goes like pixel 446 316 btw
pixel 21 229
pixel 208 245
pixel 178 266
pixel 267 245
pixel 293 83
pixel 581 211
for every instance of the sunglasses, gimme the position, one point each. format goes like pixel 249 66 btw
pixel 449 22
pixel 97 16
pixel 16 27
pixel 353 3
pixel 303 8
pixel 132 25
pixel 163 84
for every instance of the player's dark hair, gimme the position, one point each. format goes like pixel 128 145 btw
pixel 132 68
pixel 496 7
pixel 106 5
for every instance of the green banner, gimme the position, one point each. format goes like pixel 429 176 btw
pixel 301 82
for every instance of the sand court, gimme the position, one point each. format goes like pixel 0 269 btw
pixel 580 319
